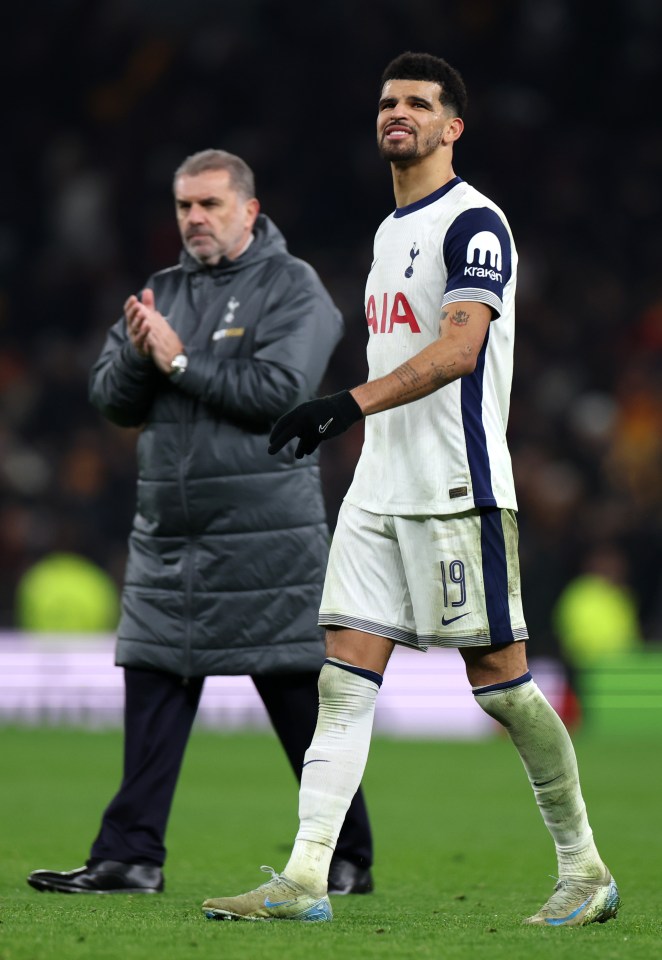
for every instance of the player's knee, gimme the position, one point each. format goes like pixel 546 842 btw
pixel 505 702
pixel 346 686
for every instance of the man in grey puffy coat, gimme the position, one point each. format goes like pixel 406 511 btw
pixel 229 545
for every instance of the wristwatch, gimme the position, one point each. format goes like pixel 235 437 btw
pixel 178 365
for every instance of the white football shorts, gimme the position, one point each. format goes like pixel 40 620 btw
pixel 450 581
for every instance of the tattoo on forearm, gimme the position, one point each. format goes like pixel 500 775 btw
pixel 460 318
pixel 408 377
pixel 414 384
pixel 442 375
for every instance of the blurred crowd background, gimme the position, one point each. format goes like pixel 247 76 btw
pixel 104 98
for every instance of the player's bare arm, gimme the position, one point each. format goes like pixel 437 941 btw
pixel 462 333
pixel 463 328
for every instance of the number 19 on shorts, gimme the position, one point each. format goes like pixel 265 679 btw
pixel 454 587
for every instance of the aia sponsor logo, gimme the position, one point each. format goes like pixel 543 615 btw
pixel 385 318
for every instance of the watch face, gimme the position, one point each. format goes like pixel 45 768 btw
pixel 179 363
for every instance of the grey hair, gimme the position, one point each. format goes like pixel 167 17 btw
pixel 242 179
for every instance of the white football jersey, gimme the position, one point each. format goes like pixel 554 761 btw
pixel 446 452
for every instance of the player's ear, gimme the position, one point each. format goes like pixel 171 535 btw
pixel 453 130
pixel 252 210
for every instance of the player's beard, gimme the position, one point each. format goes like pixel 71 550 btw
pixel 397 152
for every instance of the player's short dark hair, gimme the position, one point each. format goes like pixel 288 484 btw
pixel 241 175
pixel 423 66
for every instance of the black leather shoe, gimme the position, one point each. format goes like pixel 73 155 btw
pixel 100 876
pixel 347 877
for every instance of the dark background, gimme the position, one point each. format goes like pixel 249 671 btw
pixel 102 100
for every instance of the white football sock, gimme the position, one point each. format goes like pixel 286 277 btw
pixel 549 758
pixel 333 768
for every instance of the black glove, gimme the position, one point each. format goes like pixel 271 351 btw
pixel 314 421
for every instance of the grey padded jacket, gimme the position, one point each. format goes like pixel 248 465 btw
pixel 229 545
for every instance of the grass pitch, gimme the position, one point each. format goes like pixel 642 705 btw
pixel 461 853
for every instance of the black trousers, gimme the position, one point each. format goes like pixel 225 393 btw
pixel 159 712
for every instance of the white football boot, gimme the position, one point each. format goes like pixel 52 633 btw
pixel 278 899
pixel 577 901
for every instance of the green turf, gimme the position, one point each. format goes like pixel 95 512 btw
pixel 461 853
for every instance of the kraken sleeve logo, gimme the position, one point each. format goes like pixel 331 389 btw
pixel 485 244
pixel 484 257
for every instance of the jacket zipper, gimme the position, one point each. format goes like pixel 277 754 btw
pixel 189 551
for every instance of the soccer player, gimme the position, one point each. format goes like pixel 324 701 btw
pixel 425 550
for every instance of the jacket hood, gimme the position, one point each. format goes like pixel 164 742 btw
pixel 267 241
